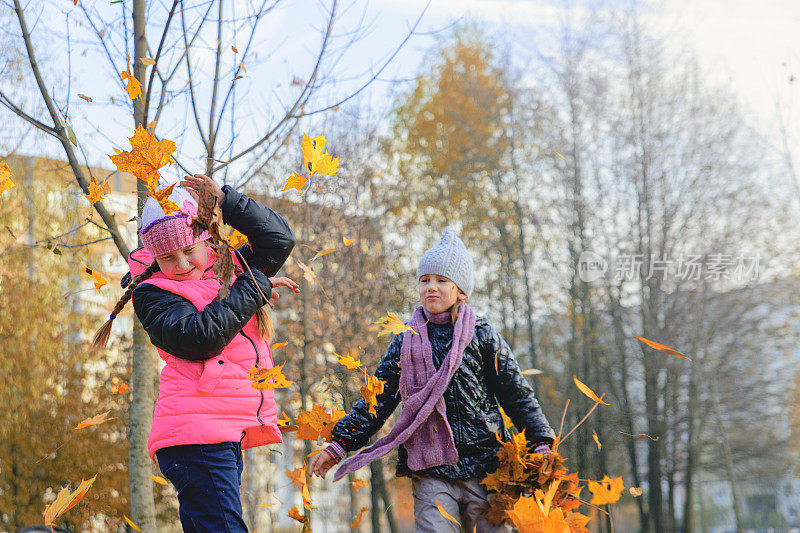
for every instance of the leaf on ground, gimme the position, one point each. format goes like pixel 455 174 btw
pixel 662 348
pixel 66 500
pixel 94 420
pixel 586 390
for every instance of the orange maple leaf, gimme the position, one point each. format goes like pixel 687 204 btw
pixel 145 158
pixel 97 191
pixel 298 475
pixel 359 484
pixel 357 520
pixel 317 423
pixel 5 178
pixel 606 490
pixel 99 281
pixel 134 88
pixel 662 348
pixel 65 501
pixel 294 513
pixel 162 197
pixel 96 419
pixel 587 391
pixel 261 377
pixel 236 239
pixel 370 392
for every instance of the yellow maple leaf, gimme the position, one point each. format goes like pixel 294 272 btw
pixel 277 346
pixel 96 419
pixel 5 178
pixel 66 500
pixel 134 88
pixel 606 490
pixel 348 360
pixel 371 391
pixel 145 158
pixel 97 191
pixel 312 149
pixel 325 165
pixel 162 197
pixel 260 378
pixel 317 423
pixel 587 391
pixel 347 242
pixel 392 324
pixel 160 480
pixel 99 281
pixel 130 523
pixel 295 181
pixel 237 239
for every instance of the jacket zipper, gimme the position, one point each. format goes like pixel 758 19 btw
pixel 258 411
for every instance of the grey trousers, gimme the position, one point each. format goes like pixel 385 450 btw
pixel 463 500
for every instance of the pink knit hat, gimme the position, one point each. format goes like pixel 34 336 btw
pixel 162 233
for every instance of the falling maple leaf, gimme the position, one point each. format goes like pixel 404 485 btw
pixel 99 281
pixel 371 391
pixel 285 425
pixel 312 149
pixel 308 273
pixel 5 178
pixel 97 191
pixel 162 197
pixel 445 513
pixel 317 423
pixel 596 440
pixel 66 500
pixel 147 61
pixel 260 378
pixel 87 98
pixel 235 51
pixel 145 158
pixel 359 484
pixel 118 387
pixel 347 242
pixel 298 475
pixel 295 181
pixel 392 324
pixel 635 491
pixel 323 252
pixel 277 346
pixel 294 513
pixel 606 490
pixel 348 360
pixel 662 348
pixel 237 239
pixel 160 480
pixel 96 419
pixel 134 88
pixel 357 519
pixel 326 165
pixel 130 523
pixel 587 391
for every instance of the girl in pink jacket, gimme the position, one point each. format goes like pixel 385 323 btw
pixel 207 411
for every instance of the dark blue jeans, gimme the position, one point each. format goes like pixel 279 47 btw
pixel 207 478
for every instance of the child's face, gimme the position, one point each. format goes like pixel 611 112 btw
pixel 437 293
pixel 185 263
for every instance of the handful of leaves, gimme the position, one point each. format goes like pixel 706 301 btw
pixel 533 490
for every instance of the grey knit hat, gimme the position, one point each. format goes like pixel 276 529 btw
pixel 450 259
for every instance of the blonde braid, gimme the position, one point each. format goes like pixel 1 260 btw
pixel 101 337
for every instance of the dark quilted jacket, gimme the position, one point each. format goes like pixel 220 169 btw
pixel 473 400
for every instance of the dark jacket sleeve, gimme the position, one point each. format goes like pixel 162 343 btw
pixel 270 238
pixel 511 389
pixel 354 430
pixel 176 326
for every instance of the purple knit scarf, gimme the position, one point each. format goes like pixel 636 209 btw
pixel 422 427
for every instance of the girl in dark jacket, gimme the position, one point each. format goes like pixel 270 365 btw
pixel 452 373
pixel 207 410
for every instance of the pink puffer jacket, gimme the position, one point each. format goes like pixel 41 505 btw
pixel 210 401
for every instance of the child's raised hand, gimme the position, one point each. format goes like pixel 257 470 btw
pixel 283 282
pixel 321 463
pixel 195 183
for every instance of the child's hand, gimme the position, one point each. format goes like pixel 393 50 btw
pixel 283 282
pixel 195 183
pixel 321 463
